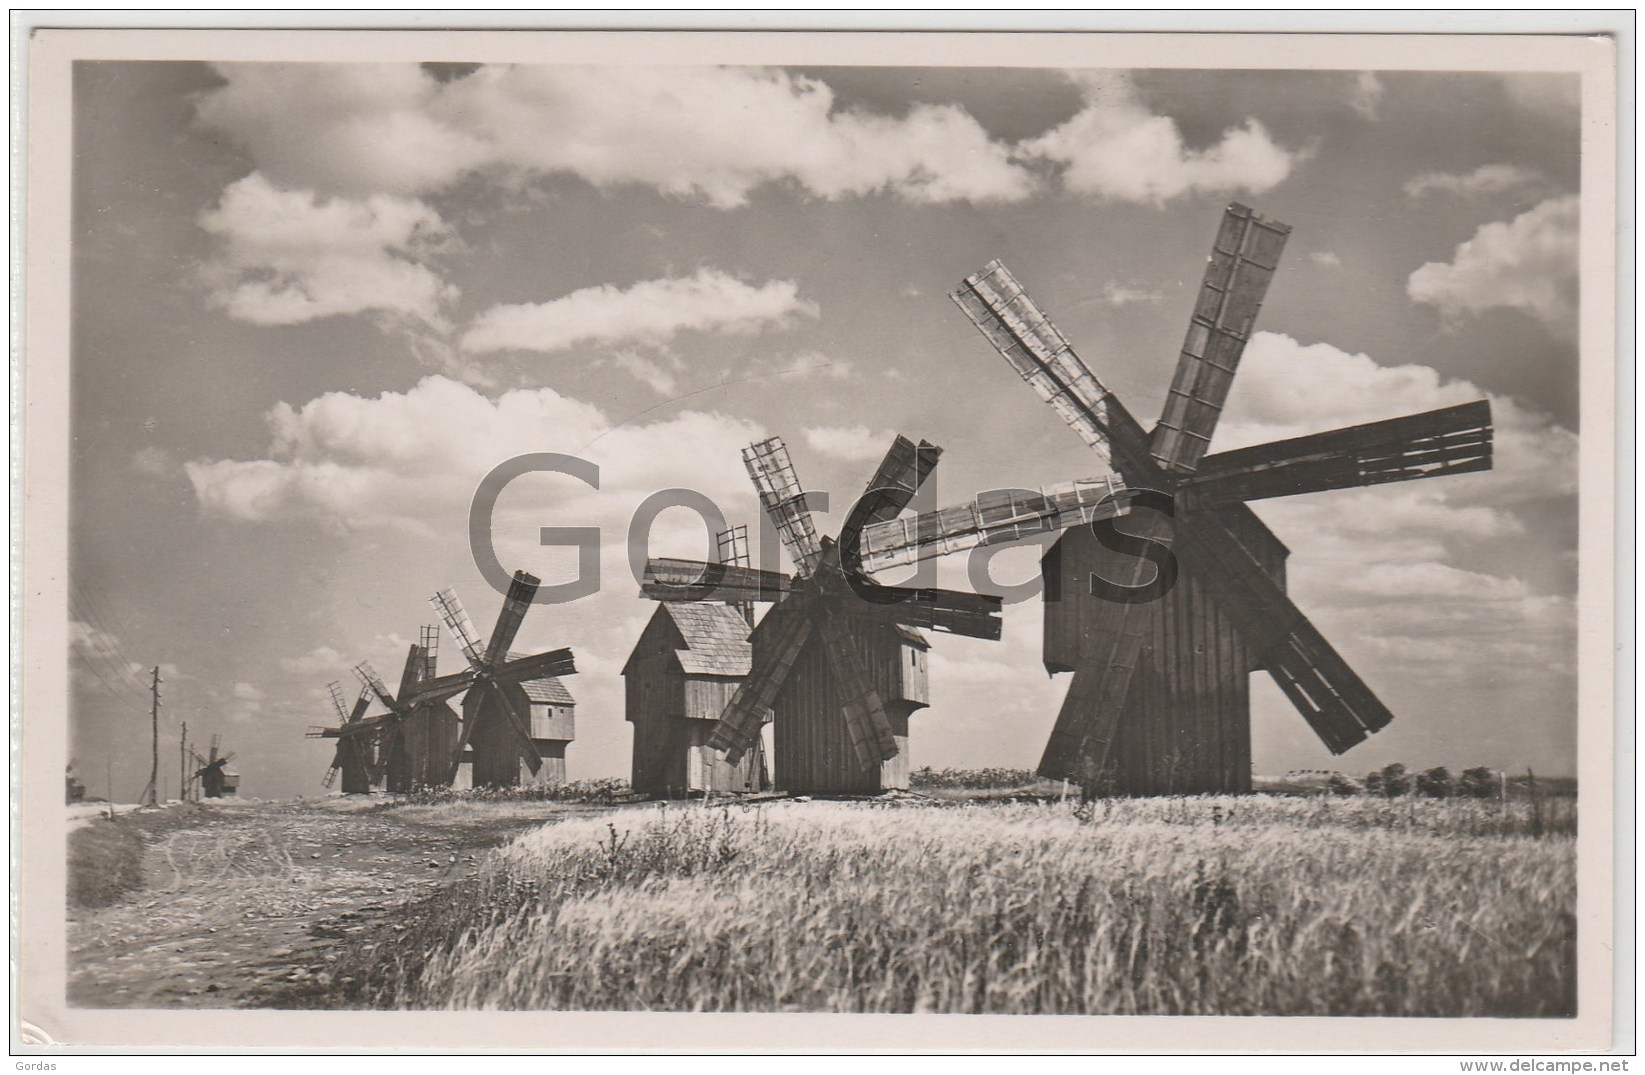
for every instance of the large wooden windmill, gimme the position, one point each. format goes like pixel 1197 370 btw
pixel 510 698
pixel 1159 701
pixel 838 660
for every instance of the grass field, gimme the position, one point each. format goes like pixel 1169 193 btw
pixel 1250 905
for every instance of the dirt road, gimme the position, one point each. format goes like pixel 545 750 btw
pixel 241 900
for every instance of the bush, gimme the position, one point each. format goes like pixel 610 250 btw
pixel 1435 783
pixel 105 863
pixel 1341 785
pixel 1391 781
pixel 1478 783
pixel 928 777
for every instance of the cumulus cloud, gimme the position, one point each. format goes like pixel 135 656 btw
pixel 412 459
pixel 1367 95
pixel 1528 263
pixel 853 443
pixel 1116 149
pixel 650 312
pixel 321 659
pixel 1116 294
pixel 1486 179
pixel 153 462
pixel 684 131
pixel 1325 259
pixel 289 256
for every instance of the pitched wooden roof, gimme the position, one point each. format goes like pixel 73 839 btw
pixel 716 639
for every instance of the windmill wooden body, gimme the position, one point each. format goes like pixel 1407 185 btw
pixel 358 755
pixel 1159 701
pixel 416 737
pixel 517 715
pixel 839 660
pixel 216 779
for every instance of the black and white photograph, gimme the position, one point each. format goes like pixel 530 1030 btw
pixel 493 556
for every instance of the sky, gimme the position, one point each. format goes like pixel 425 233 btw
pixel 314 304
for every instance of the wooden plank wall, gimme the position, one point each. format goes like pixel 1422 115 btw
pixel 811 748
pixel 552 771
pixel 423 748
pixel 1186 728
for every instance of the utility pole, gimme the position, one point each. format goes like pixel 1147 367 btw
pixel 154 728
pixel 182 764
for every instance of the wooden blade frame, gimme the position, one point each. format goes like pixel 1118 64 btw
pixel 456 619
pixel 412 673
pixel 1451 440
pixel 783 499
pixel 866 723
pixel 994 518
pixel 1243 259
pixel 555 663
pixel 515 605
pixel 905 467
pixel 777 641
pixel 693 580
pixel 953 612
pixel 374 683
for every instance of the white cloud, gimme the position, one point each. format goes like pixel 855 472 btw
pixel 290 256
pixel 154 462
pixel 247 692
pixel 854 443
pixel 321 659
pixel 707 133
pixel 415 458
pixel 1114 148
pixel 650 312
pixel 1528 263
pixel 1367 95
pixel 1325 259
pixel 658 373
pixel 1116 294
pixel 1486 179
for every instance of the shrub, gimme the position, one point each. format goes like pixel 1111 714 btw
pixel 1435 783
pixel 1478 783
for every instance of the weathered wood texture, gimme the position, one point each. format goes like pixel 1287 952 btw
pixel 674 710
pixel 420 752
pixel 496 753
pixel 810 742
pixel 1186 724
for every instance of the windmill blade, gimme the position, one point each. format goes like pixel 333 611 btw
pixel 337 703
pixel 374 683
pixel 440 688
pixel 412 673
pixel 1086 726
pixel 953 612
pixel 784 501
pixel 1337 704
pixel 1451 440
pixel 1243 259
pixel 866 723
pixel 997 304
pixel 455 617
pixel 993 518
pixel 777 641
pixel 361 704
pixel 555 663
pixel 226 758
pixel 693 580
pixel 515 724
pixel 905 467
pixel 515 605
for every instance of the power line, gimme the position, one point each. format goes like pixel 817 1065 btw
pixel 88 610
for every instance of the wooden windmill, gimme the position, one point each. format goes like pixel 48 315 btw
pixel 685 668
pixel 358 752
pixel 215 779
pixel 420 732
pixel 1159 701
pixel 838 660
pixel 515 711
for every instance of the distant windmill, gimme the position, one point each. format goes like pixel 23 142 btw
pixel 500 706
pixel 1159 703
pixel 417 736
pixel 215 779
pixel 837 659
pixel 356 757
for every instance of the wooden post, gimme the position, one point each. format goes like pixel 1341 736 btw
pixel 182 764
pixel 154 742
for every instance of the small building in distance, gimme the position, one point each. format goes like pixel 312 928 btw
pixel 684 670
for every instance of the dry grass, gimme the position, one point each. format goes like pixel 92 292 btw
pixel 1227 906
pixel 105 863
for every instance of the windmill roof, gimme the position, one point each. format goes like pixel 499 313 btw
pixel 548 691
pixel 716 639
pixel 912 636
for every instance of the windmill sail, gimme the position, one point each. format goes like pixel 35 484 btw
pixel 693 580
pixel 994 518
pixel 455 617
pixel 1242 264
pixel 515 605
pixel 905 467
pixel 777 642
pixel 866 723
pixel 1451 440
pixel 784 501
